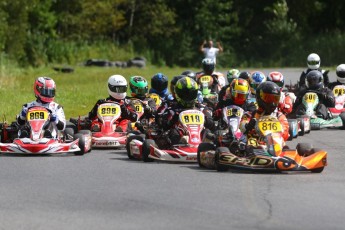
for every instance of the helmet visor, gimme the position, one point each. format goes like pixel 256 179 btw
pixel 46 92
pixel 313 62
pixel 239 96
pixel 270 98
pixel 139 91
pixel 117 88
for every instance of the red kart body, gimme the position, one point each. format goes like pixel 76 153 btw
pixel 37 118
pixel 339 93
pixel 191 123
pixel 107 137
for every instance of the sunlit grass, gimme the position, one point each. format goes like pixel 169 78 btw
pixel 77 92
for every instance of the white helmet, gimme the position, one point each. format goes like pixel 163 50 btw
pixel 340 71
pixel 117 87
pixel 313 61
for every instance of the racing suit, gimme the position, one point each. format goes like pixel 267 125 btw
pixel 169 119
pixel 57 116
pixel 258 113
pixel 326 99
pixel 127 114
pixel 301 83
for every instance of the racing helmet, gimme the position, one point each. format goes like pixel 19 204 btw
pixel 186 91
pixel 268 96
pixel 340 71
pixel 276 77
pixel 208 65
pixel 190 74
pixel 232 74
pixel 244 75
pixel 255 79
pixel 313 61
pixel 44 89
pixel 138 86
pixel 239 89
pixel 117 87
pixel 159 84
pixel 173 83
pixel 314 80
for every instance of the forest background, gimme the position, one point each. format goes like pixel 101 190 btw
pixel 260 33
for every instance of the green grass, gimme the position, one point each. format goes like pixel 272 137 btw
pixel 77 92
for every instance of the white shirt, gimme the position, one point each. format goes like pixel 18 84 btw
pixel 211 53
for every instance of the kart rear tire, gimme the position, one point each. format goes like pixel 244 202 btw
pixel 219 167
pixel 301 125
pixel 201 148
pixel 81 144
pixel 129 139
pixel 290 132
pixel 69 124
pixel 304 149
pixel 146 150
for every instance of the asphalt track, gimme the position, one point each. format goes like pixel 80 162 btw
pixel 105 190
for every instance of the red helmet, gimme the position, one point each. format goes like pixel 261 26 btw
pixel 277 78
pixel 44 89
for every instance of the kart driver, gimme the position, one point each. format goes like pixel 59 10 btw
pixel 208 66
pixel 186 90
pixel 268 97
pixel 44 89
pixel 159 85
pixel 313 62
pixel 117 89
pixel 340 71
pixel 314 83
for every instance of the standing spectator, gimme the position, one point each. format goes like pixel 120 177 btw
pixel 210 51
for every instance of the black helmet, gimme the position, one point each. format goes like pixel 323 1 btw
pixel 189 73
pixel 159 83
pixel 208 66
pixel 186 90
pixel 314 80
pixel 244 75
pixel 268 96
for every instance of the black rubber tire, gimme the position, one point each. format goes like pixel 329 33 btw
pixel 301 123
pixel 146 150
pixel 68 134
pixel 69 124
pixel 221 168
pixel 129 139
pixel 204 147
pixel 290 132
pixel 304 149
pixel 81 144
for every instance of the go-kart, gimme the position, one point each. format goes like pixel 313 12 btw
pixel 266 152
pixel 229 134
pixel 108 136
pixel 210 98
pixel 191 123
pixel 39 143
pixel 310 101
pixel 339 93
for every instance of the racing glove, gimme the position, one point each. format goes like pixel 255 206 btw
pixel 54 118
pixel 23 114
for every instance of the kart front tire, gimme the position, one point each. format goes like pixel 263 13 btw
pixel 317 170
pixel 81 144
pixel 304 149
pixel 301 125
pixel 129 139
pixel 146 150
pixel 68 134
pixel 219 167
pixel 202 148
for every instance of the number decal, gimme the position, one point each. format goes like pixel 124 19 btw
pixel 338 91
pixel 270 126
pixel 156 98
pixel 109 110
pixel 205 79
pixel 192 119
pixel 37 115
pixel 233 112
pixel 310 97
